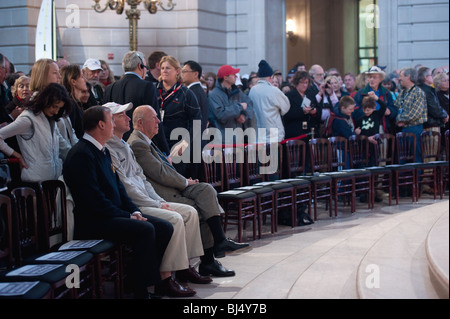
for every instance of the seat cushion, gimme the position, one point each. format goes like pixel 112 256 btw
pixel 340 174
pixel 52 276
pixel 81 258
pixel 259 190
pixel 317 178
pixel 38 291
pixel 296 181
pixel 235 195
pixel 378 170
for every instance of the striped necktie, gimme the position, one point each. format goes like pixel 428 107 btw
pixel 162 156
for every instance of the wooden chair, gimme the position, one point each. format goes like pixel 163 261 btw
pixel 26 248
pixel 271 163
pixel 384 155
pixel 359 159
pixel 213 173
pixel 343 181
pixel 427 172
pixel 109 257
pixel 265 195
pixel 444 170
pixel 40 290
pixel 321 185
pixel 239 205
pixel 404 172
pixel 295 169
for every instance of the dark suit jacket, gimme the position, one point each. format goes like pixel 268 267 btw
pixel 202 99
pixel 133 89
pixel 92 101
pixel 95 186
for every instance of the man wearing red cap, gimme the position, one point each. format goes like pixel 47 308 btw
pixel 229 106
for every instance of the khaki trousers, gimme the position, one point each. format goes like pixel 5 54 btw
pixel 186 241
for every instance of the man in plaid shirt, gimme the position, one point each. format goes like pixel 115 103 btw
pixel 412 107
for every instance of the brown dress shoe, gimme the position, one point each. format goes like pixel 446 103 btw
pixel 171 288
pixel 193 276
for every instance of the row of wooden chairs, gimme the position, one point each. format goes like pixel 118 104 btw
pixel 337 168
pixel 36 225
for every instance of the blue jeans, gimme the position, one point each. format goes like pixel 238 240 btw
pixel 417 129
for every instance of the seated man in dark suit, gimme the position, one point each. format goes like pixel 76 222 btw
pixel 103 208
pixel 173 187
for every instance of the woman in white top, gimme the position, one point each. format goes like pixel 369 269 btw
pixel 42 146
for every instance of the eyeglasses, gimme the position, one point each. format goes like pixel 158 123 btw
pixel 278 74
pixel 187 71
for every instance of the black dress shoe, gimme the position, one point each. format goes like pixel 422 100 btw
pixel 215 269
pixel 192 275
pixel 171 288
pixel 227 245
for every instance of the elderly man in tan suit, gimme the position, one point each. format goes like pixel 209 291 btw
pixel 186 241
pixel 173 187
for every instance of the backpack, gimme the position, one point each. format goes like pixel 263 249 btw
pixel 327 129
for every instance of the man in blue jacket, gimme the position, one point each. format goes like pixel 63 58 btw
pixel 104 210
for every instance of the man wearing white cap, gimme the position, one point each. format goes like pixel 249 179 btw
pixel 186 241
pixel 91 72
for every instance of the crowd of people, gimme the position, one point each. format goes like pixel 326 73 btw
pixel 109 138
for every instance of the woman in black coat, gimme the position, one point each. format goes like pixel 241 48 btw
pixel 179 108
pixel 305 113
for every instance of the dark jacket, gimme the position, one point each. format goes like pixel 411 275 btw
pixel 93 100
pixel 225 107
pixel 202 99
pixel 385 96
pixel 294 119
pixel 179 108
pixel 436 114
pixel 343 125
pixel 132 88
pixel 95 186
pixel 370 125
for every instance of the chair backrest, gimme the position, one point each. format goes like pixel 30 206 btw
pixel 405 147
pixel 213 168
pixel 271 161
pixel 295 151
pixel 384 149
pixel 6 240
pixel 359 151
pixel 233 164
pixel 430 144
pixel 25 223
pixel 446 145
pixel 55 213
pixel 319 151
pixel 252 165
pixel 338 153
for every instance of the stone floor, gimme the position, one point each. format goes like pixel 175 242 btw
pixel 374 254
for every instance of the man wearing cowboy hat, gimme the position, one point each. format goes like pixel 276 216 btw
pixel 374 88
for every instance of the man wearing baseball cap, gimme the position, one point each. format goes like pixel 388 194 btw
pixel 91 72
pixel 186 241
pixel 230 107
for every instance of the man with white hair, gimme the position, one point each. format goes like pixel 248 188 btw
pixel 185 242
pixel 91 72
pixel 133 88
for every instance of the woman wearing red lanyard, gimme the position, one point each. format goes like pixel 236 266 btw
pixel 179 108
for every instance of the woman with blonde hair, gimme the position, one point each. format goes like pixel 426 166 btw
pixel 106 75
pixel 178 105
pixel 44 71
